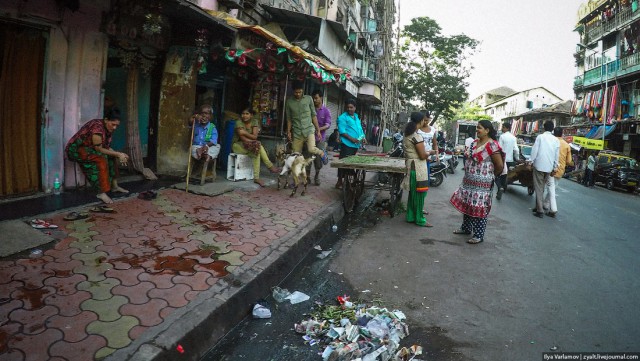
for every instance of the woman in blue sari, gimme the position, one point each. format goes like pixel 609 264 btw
pixel 351 134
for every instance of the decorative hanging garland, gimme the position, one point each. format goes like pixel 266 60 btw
pixel 302 69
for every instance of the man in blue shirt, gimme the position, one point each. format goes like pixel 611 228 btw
pixel 205 135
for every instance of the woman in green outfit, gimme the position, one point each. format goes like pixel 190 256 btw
pixel 245 141
pixel 415 154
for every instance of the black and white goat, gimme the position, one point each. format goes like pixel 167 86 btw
pixel 296 164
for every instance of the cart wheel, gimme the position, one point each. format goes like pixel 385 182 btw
pixel 530 190
pixel 396 193
pixel 349 191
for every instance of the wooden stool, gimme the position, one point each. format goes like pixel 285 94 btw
pixel 205 168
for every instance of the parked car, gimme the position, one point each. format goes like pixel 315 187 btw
pixel 620 172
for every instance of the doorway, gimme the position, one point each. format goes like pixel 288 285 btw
pixel 22 54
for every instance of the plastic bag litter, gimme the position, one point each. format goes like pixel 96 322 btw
pixel 378 327
pixel 261 310
pixel 297 297
pixel 324 254
pixel 280 294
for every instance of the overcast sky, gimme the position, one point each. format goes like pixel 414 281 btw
pixel 524 43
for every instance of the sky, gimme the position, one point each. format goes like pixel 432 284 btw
pixel 524 43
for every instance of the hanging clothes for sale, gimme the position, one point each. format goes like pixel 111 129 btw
pixel 611 113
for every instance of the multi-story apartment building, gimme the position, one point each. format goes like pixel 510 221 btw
pixel 608 70
pixel 504 104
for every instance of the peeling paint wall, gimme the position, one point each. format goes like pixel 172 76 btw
pixel 74 73
pixel 177 102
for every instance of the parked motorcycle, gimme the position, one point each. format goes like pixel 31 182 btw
pixel 437 172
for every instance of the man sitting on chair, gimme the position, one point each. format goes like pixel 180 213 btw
pixel 205 135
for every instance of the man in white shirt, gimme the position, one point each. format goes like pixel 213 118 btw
pixel 545 155
pixel 509 145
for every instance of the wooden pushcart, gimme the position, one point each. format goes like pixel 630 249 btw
pixel 523 174
pixel 355 182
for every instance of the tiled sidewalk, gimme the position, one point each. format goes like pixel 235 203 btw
pixel 115 277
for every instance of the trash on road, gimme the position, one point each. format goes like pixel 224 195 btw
pixel 297 297
pixel 357 332
pixel 280 294
pixel 261 309
pixel 324 254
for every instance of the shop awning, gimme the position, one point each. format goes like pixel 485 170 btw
pixel 300 20
pixel 186 13
pixel 279 42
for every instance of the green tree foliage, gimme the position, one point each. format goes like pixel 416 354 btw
pixel 434 67
pixel 465 111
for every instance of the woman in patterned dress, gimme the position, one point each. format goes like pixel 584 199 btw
pixel 90 147
pixel 484 162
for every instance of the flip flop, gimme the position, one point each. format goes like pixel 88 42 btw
pixel 148 195
pixel 41 224
pixel 102 209
pixel 74 216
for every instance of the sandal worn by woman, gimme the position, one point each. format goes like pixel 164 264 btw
pixel 474 240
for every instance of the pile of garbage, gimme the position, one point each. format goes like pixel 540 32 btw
pixel 351 331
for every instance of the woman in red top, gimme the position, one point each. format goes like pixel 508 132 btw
pixel 90 147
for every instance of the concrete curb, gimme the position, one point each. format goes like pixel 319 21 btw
pixel 201 324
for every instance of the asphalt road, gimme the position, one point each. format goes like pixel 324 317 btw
pixel 535 285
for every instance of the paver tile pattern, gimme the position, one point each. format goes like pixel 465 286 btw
pixel 114 275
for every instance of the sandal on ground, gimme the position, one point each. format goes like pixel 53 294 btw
pixel 428 225
pixel 425 213
pixel 474 241
pixel 41 224
pixel 460 231
pixel 74 216
pixel 148 195
pixel 102 209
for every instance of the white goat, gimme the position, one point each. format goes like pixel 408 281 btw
pixel 296 165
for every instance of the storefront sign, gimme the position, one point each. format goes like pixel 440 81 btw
pixel 587 143
pixel 351 88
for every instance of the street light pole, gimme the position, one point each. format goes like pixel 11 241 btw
pixel 606 93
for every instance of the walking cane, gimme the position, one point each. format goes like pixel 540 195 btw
pixel 193 127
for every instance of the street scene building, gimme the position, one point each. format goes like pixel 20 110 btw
pixel 608 68
pixel 159 61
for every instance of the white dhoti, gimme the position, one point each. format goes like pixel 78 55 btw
pixel 213 151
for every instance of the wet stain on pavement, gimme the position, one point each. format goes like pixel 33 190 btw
pixel 441 347
pixel 33 298
pixel 153 261
pixel 215 225
pixel 432 241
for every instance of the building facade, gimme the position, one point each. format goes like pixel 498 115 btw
pixel 608 68
pixel 64 63
pixel 510 106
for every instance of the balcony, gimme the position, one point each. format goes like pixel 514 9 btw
pixel 624 17
pixel 578 81
pixel 627 65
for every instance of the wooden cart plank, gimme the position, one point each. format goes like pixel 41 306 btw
pixel 371 163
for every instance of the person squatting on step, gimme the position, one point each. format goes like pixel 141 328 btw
pixel 245 141
pixel 205 135
pixel 91 148
pixel 484 162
